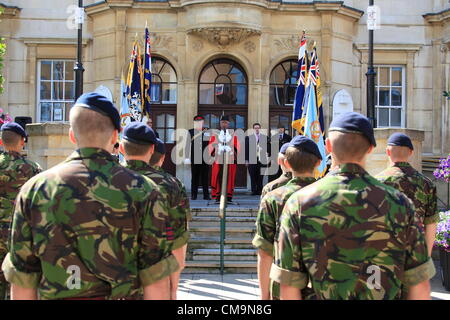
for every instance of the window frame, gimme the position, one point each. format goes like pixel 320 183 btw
pixel 402 107
pixel 234 64
pixel 161 102
pixel 39 101
pixel 285 85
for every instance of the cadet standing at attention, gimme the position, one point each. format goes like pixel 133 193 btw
pixel 352 236
pixel 144 154
pixel 418 188
pixel 89 228
pixel 301 158
pixel 284 178
pixel 15 170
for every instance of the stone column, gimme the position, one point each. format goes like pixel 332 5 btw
pixel 378 159
pixel 48 143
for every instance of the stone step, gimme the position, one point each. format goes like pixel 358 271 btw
pixel 214 267
pixel 216 252
pixel 214 243
pixel 205 221
pixel 231 232
pixel 237 212
pixel 229 254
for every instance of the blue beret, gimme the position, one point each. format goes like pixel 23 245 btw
pixel 100 104
pixel 284 148
pixel 353 122
pixel 139 133
pixel 160 146
pixel 305 144
pixel 400 140
pixel 15 127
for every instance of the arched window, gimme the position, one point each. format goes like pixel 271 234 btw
pixel 283 83
pixel 223 82
pixel 163 107
pixel 164 82
pixel 222 88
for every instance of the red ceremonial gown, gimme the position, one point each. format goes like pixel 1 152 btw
pixel 216 172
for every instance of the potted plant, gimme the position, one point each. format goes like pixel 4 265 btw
pixel 443 243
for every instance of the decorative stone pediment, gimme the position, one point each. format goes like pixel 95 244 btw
pixel 224 36
pixel 160 41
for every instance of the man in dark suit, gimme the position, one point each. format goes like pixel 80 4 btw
pixel 282 139
pixel 257 150
pixel 196 144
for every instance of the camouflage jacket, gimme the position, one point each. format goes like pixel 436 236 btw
pixel 15 170
pixel 418 188
pixel 270 210
pixel 90 216
pixel 345 231
pixel 175 193
pixel 280 181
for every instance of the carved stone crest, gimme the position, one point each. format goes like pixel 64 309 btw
pixel 249 46
pixel 197 45
pixel 160 41
pixel 292 43
pixel 224 36
pixel 287 43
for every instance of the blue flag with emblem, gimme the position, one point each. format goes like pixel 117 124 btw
pixel 314 70
pixel 147 74
pixel 135 84
pixel 312 128
pixel 297 119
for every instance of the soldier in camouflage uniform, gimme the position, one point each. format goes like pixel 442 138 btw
pixel 418 188
pixel 172 189
pixel 284 178
pixel 15 170
pixel 350 235
pixel 301 158
pixel 89 228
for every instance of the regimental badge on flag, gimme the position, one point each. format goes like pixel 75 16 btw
pixel 312 126
pixel 134 84
pixel 297 122
pixel 147 74
pixel 315 79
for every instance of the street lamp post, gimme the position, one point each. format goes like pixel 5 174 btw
pixel 371 79
pixel 79 65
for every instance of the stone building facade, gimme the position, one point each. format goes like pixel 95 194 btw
pixel 237 57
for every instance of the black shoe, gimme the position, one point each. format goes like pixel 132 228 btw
pixel 194 197
pixel 206 198
pixel 218 200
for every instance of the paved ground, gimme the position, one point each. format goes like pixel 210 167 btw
pixel 245 287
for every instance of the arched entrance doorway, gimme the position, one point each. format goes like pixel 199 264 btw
pixel 223 88
pixel 164 106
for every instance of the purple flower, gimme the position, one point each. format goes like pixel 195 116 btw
pixel 443 231
pixel 443 171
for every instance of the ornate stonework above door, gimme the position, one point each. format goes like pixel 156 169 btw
pixel 224 36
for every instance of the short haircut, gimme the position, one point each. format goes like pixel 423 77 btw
pixel 134 149
pixel 256 124
pixel 348 147
pixel 90 127
pixel 156 157
pixel 10 139
pixel 301 161
pixel 399 152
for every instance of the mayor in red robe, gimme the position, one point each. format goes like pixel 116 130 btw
pixel 217 167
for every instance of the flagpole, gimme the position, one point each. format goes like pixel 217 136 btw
pixel 371 81
pixel 79 65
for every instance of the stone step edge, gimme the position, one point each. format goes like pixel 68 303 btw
pixel 227 264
